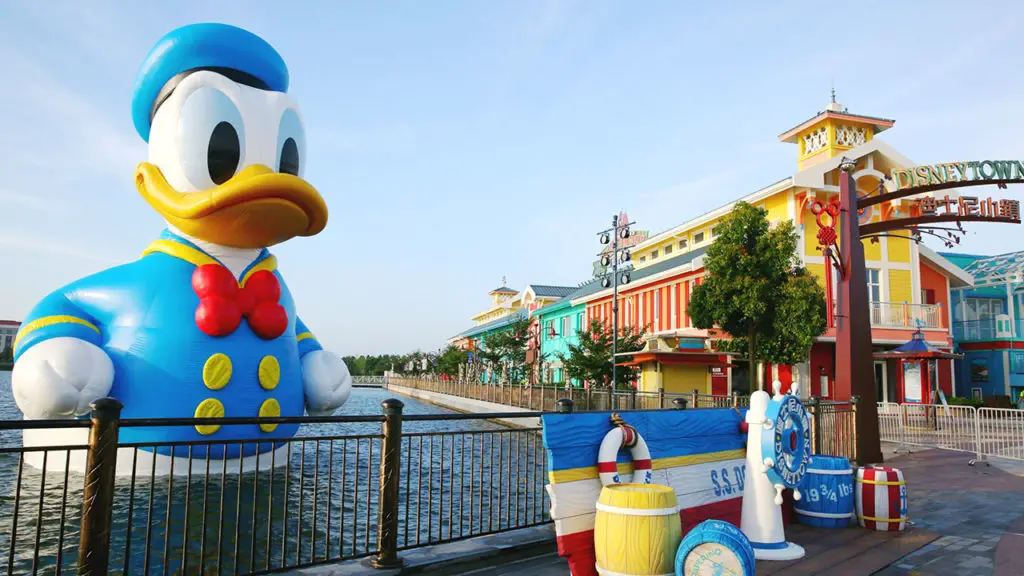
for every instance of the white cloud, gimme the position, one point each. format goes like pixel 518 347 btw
pixel 56 247
pixel 19 200
pixel 50 126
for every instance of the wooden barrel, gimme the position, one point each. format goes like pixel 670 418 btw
pixel 637 530
pixel 715 547
pixel 881 497
pixel 827 493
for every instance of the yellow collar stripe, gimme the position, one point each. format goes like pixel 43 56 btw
pixel 268 263
pixel 199 258
pixel 304 336
pixel 46 321
pixel 179 251
pixel 588 472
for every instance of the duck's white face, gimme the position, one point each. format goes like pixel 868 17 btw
pixel 226 164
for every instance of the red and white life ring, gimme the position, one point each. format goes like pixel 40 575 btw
pixel 623 437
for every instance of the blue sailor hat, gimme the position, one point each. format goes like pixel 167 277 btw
pixel 219 47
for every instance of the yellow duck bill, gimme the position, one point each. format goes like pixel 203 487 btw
pixel 256 208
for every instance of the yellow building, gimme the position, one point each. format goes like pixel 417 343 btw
pixel 908 283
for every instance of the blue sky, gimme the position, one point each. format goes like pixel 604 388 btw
pixel 459 142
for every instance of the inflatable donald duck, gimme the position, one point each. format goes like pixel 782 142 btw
pixel 202 325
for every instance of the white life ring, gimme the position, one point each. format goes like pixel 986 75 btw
pixel 623 437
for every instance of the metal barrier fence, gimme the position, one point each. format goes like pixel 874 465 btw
pixel 544 398
pixel 369 381
pixel 985 432
pixel 345 487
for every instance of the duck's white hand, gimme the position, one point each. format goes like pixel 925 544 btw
pixel 60 377
pixel 326 382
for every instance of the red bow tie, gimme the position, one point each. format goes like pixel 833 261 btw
pixel 222 303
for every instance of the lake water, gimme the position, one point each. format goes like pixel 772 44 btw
pixel 458 478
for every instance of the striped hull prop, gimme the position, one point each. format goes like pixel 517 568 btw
pixel 698 453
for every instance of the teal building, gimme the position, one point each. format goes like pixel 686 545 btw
pixel 559 324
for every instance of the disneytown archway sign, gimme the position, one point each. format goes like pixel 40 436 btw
pixel 854 376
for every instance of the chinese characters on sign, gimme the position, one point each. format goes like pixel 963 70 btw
pixel 971 206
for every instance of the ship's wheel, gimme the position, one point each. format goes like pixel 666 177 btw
pixel 785 447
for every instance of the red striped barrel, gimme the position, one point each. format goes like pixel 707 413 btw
pixel 881 496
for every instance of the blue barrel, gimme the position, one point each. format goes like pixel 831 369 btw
pixel 826 493
pixel 715 547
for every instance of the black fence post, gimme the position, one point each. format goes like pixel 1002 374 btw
pixel 390 478
pixel 814 407
pixel 98 497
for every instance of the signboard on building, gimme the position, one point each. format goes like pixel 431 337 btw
pixel 635 237
pixel 912 382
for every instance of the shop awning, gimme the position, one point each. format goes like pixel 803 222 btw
pixel 917 349
pixel 677 358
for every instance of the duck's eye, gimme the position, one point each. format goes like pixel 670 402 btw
pixel 211 138
pixel 291 144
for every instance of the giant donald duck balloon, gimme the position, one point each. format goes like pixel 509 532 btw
pixel 202 325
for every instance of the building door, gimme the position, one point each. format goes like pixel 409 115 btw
pixel 882 382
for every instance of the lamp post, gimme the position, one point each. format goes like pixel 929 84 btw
pixel 612 258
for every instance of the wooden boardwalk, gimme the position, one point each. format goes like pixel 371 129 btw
pixel 852 551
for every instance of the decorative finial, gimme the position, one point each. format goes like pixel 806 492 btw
pixel 504 281
pixel 833 90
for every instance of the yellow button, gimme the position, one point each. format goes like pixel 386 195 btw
pixel 269 409
pixel 209 408
pixel 217 371
pixel 270 372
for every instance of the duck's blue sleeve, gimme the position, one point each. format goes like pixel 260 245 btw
pixel 61 314
pixel 307 342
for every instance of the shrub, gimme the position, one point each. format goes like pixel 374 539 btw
pixel 956 401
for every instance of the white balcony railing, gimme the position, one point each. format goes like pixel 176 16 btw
pixel 903 315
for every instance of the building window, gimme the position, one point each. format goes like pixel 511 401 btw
pixel 549 327
pixel 579 322
pixel 682 244
pixel 668 250
pixel 981 308
pixel 874 285
pixel 714 231
pixel 566 328
pixel 654 255
pixel 643 259
pixel 698 237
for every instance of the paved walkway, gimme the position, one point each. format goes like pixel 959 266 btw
pixel 968 521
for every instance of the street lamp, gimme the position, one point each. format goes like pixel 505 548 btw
pixel 615 257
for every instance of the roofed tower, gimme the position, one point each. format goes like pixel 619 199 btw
pixel 832 132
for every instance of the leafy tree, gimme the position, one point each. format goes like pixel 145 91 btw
pixel 7 355
pixel 757 291
pixel 591 359
pixel 507 348
pixel 450 359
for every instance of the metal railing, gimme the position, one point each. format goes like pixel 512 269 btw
pixel 345 487
pixel 906 315
pixel 985 432
pixel 985 329
pixel 545 398
pixel 370 381
pixel 833 427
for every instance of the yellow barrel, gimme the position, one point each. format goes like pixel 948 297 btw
pixel 637 530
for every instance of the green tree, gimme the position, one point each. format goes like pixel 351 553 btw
pixel 757 291
pixel 450 359
pixel 7 355
pixel 507 348
pixel 591 359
